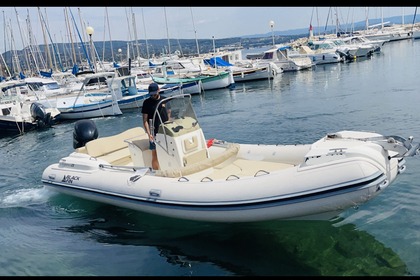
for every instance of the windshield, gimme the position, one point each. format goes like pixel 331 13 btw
pixel 180 107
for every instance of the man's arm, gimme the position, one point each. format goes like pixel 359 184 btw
pixel 146 124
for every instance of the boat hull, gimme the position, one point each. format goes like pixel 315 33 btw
pixel 245 75
pixel 321 206
pixel 298 192
pixel 203 82
pixel 85 111
pixel 10 126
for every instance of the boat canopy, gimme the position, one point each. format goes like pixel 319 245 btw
pixel 282 48
pixel 46 74
pixel 213 61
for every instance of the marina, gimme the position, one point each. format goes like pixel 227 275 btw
pixel 72 236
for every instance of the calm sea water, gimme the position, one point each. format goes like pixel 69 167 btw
pixel 44 233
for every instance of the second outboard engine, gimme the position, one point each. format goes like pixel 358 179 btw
pixel 84 131
pixel 40 115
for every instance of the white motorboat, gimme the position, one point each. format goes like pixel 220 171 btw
pixel 22 111
pixel 206 80
pixel 321 52
pixel 93 100
pixel 214 180
pixel 242 71
pixel 283 58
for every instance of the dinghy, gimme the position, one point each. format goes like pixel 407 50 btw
pixel 215 180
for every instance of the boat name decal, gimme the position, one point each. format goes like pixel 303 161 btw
pixel 70 179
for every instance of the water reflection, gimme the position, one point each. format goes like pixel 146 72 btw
pixel 305 248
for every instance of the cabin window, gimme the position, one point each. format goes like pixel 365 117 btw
pixel 268 55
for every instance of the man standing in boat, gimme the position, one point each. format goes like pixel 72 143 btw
pixel 148 110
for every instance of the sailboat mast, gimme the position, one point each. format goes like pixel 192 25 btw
pixel 32 44
pixel 382 18
pixel 81 40
pixel 15 57
pixel 402 20
pixel 46 48
pixel 73 51
pixel 5 46
pixel 109 32
pixel 167 33
pixel 414 20
pixel 367 17
pixel 195 32
pixel 53 46
pixel 25 52
pixel 145 35
pixel 129 33
pixel 137 56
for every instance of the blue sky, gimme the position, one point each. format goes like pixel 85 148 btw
pixel 177 22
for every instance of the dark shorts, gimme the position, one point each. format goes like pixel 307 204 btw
pixel 152 145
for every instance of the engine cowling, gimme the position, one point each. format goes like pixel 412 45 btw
pixel 84 131
pixel 40 115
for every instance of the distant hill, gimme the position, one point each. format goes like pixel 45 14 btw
pixel 331 29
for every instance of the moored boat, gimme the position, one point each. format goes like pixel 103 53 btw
pixel 214 180
pixel 22 110
pixel 206 80
pixel 93 100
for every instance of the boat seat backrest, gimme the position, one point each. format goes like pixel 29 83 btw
pixel 114 149
pixel 142 144
pixel 141 155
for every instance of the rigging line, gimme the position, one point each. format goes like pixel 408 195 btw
pixel 145 34
pixel 25 52
pixel 80 38
pixel 127 17
pixel 73 52
pixel 4 33
pixel 167 33
pixel 312 15
pixel 109 32
pixel 195 32
pixel 414 19
pixel 53 44
pixel 326 22
pixel 104 37
pixel 46 48
pixel 137 56
pixel 31 45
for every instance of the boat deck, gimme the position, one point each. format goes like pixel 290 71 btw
pixel 226 166
pixel 242 168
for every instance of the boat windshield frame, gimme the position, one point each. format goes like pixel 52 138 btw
pixel 180 106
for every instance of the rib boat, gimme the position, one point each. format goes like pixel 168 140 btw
pixel 208 179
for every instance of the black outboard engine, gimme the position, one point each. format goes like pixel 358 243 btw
pixel 84 131
pixel 40 115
